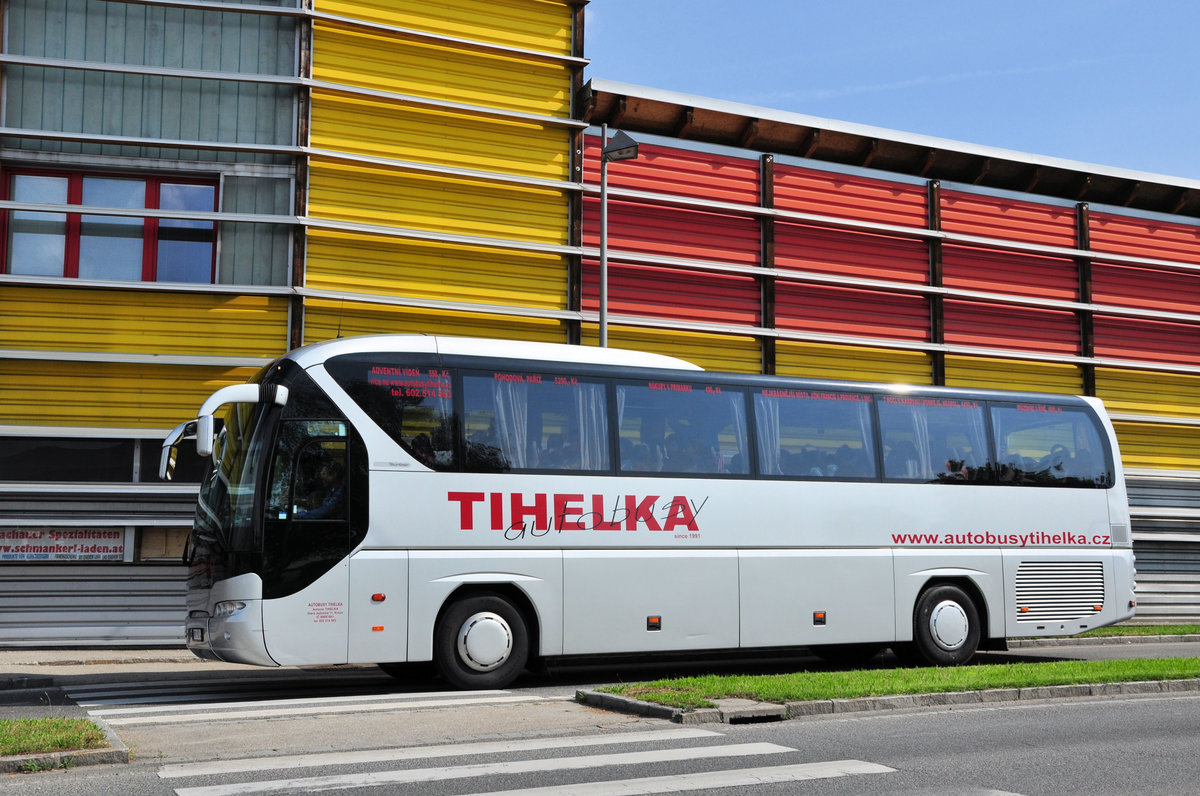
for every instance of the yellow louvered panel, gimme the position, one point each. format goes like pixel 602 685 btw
pixel 709 351
pixel 326 320
pixel 528 24
pixel 421 269
pixel 1139 392
pixel 142 322
pixel 815 361
pixel 384 62
pixel 435 203
pixel 1009 374
pixel 102 394
pixel 368 126
pixel 1159 447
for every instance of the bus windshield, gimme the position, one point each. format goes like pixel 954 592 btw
pixel 225 510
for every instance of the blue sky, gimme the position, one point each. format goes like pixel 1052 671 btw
pixel 1109 82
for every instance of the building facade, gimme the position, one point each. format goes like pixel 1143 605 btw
pixel 189 189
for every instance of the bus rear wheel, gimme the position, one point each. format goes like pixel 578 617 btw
pixel 945 626
pixel 481 642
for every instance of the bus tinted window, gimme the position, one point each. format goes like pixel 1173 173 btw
pixel 1049 445
pixel 414 405
pixel 814 433
pixel 669 427
pixel 533 421
pixel 933 439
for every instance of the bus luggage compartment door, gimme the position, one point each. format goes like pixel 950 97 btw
pixel 611 596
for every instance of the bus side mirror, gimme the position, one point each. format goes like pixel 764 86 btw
pixel 204 435
pixel 170 449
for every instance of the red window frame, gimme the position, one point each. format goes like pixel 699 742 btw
pixel 150 225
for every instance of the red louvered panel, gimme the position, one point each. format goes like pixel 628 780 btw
pixel 1008 219
pixel 849 196
pixel 682 172
pixel 674 232
pixel 1023 329
pixel 1148 341
pixel 1143 237
pixel 673 293
pixel 997 271
pixel 858 254
pixel 862 313
pixel 1146 288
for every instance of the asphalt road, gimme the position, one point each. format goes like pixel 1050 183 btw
pixel 418 739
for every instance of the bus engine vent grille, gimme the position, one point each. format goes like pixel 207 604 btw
pixel 1057 591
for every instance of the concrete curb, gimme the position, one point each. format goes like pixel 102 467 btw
pixel 1092 641
pixel 741 711
pixel 117 752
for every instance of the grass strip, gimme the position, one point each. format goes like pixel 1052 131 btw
pixel 690 693
pixel 31 736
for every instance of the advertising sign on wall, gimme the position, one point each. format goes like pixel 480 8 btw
pixel 62 544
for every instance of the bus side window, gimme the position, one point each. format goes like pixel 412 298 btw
pixel 682 428
pixel 534 422
pixel 814 434
pixel 933 439
pixel 1049 445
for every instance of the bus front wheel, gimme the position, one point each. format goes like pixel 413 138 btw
pixel 481 642
pixel 945 626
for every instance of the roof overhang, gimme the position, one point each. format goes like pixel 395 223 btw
pixel 687 117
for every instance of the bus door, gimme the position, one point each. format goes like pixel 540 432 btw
pixel 306 543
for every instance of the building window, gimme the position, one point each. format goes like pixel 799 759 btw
pixel 123 248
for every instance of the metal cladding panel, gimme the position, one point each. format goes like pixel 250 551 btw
pixel 380 128
pixel 1144 237
pixel 92 604
pixel 1012 374
pixel 856 254
pixel 149 106
pixel 1158 447
pixel 384 62
pixel 1025 329
pixel 710 351
pixel 1140 392
pixel 1146 288
pixel 142 322
pixel 1008 219
pixel 327 320
pixel 997 271
pixel 828 193
pixel 540 25
pixel 342 261
pixel 680 172
pixel 370 195
pixel 846 311
pixel 816 361
pixel 44 393
pixel 673 232
pixel 674 293
pixel 1147 341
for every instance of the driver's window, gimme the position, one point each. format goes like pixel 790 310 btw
pixel 308 471
pixel 319 491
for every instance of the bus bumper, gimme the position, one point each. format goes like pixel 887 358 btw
pixel 232 633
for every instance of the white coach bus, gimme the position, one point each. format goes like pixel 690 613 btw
pixel 483 504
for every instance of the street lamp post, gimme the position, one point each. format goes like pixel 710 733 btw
pixel 622 147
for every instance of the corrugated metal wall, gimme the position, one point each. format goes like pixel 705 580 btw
pixel 84 605
pixel 453 211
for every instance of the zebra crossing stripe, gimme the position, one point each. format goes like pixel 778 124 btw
pixel 682 783
pixel 234 715
pixel 420 775
pixel 243 765
pixel 399 699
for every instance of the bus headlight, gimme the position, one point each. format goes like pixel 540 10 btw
pixel 227 608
